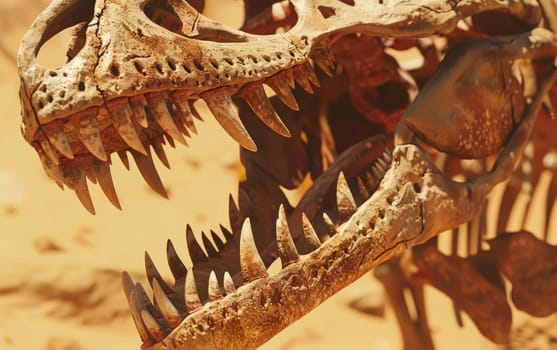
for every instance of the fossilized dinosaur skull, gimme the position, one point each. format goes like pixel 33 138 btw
pixel 130 82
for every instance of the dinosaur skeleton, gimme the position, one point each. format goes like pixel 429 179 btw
pixel 130 83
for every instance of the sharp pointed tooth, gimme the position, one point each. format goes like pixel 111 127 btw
pixel 364 193
pixel 310 73
pixel 135 310
pixel 51 169
pixel 229 286
pixel 257 100
pixel 149 172
pixel 45 145
pixel 121 113
pixel 102 172
pixel 124 158
pixel 209 247
pixel 227 234
pixel 78 183
pixel 388 155
pixel 377 172
pixel 191 296
pixel 194 249
pixel 167 308
pixel 137 104
pixel 324 60
pixel 153 273
pixel 310 236
pixel 157 102
pixel 383 164
pixel 345 201
pixel 214 291
pixel 89 134
pixel 176 265
pixel 57 137
pixel 234 215
pixel 285 244
pixel 218 241
pixel 183 109
pixel 159 151
pixel 90 175
pixel 169 140
pixel 305 76
pixel 280 86
pixel 371 181
pixel 251 263
pixel 331 228
pixel 153 327
pixel 127 284
pixel 220 104
pixel 194 111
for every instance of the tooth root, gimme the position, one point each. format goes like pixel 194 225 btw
pixel 176 265
pixel 58 139
pixel 78 183
pixel 194 249
pixel 285 244
pixel 157 102
pixel 124 158
pixel 137 104
pixel 345 201
pixel 167 308
pixel 104 177
pixel 229 286
pixel 159 151
pixel 218 241
pixel 184 110
pixel 280 86
pixel 209 248
pixel 45 145
pixel 89 134
pixel 251 264
pixel 220 104
pixel 310 236
pixel 257 100
pixel 149 173
pixel 153 327
pixel 331 228
pixel 121 113
pixel 135 310
pixel 214 292
pixel 364 193
pixel 191 296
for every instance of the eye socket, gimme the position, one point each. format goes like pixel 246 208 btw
pixel 160 12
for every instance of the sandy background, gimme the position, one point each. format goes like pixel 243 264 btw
pixel 60 267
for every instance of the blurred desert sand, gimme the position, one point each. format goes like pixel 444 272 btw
pixel 60 267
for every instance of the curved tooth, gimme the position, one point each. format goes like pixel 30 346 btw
pixel 229 286
pixel 176 265
pixel 218 241
pixel 51 169
pixel 235 217
pixel 153 327
pixel 220 104
pixel 214 292
pixel 377 172
pixel 157 102
pixel 168 310
pixel 153 273
pixel 310 236
pixel 90 175
pixel 285 244
pixel 191 296
pixel 149 172
pixel 124 158
pixel 331 228
pixel 183 109
pixel 78 183
pixel 209 247
pixel 227 234
pixel 137 104
pixel 159 151
pixel 256 98
pixel 251 264
pixel 305 76
pixel 104 177
pixel 325 60
pixel 45 145
pixel 345 201
pixel 195 252
pixel 194 111
pixel 135 310
pixel 89 134
pixel 381 162
pixel 57 137
pixel 121 114
pixel 280 85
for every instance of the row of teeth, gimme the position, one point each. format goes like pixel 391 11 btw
pixel 173 113
pixel 155 319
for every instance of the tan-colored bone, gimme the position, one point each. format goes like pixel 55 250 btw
pixel 121 115
pixel 157 102
pixel 89 134
pixel 167 308
pixel 229 286
pixel 191 296
pixel 285 244
pixel 47 148
pixel 225 112
pixel 250 260
pixel 57 137
pixel 213 289
pixel 280 85
pixel 256 98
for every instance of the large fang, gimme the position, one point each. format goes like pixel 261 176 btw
pixel 121 114
pixel 195 251
pixel 149 172
pixel 176 265
pixel 157 101
pixel 79 185
pixel 281 86
pixel 345 200
pixel 257 99
pixel 104 177
pixel 220 104
pixel 57 138
pixel 285 244
pixel 89 134
pixel 168 310
pixel 251 263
